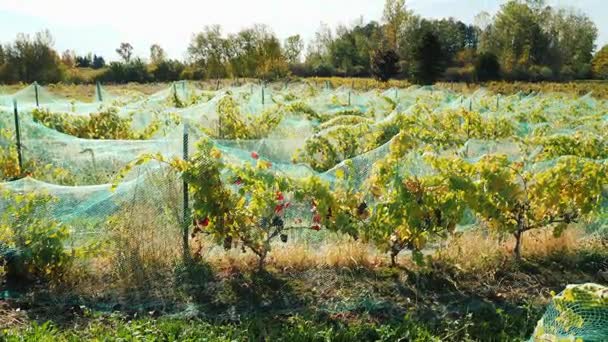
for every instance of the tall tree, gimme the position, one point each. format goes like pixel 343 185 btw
pixel 384 64
pixel 350 50
pixel 68 58
pixel 125 51
pixel 517 38
pixel 157 54
pixel 208 50
pixel 600 63
pixel 293 48
pixel 30 59
pixel 98 62
pixel 428 59
pixel 395 16
pixel 574 35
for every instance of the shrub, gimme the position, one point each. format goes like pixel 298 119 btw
pixel 384 64
pixel 487 67
pixel 32 244
pixel 167 70
pixel 123 72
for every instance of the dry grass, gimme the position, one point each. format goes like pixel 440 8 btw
pixel 480 251
pixel 11 317
pixel 294 256
pixel 144 256
pixel 472 251
pixel 543 243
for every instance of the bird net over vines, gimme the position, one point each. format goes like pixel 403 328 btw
pixel 298 158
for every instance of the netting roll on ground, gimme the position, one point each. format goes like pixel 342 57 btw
pixel 579 313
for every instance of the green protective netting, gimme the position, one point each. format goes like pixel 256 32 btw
pixel 579 313
pixel 359 125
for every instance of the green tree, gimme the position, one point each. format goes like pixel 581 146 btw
pixel 575 35
pixel 293 48
pixel 600 63
pixel 384 64
pixel 427 59
pixel 208 50
pixel 32 59
pixel 167 70
pixel 517 38
pixel 98 62
pixel 125 51
pixel 350 51
pixel 157 54
pixel 395 16
pixel 487 67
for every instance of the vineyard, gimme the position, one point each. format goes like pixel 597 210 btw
pixel 312 202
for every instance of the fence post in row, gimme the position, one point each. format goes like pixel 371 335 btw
pixel 36 94
pixel 349 98
pixel 470 105
pixel 18 136
pixel 99 97
pixel 263 94
pixel 186 203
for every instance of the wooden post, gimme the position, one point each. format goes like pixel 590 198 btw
pixel 186 203
pixel 349 98
pixel 18 136
pixel 36 94
pixel 99 97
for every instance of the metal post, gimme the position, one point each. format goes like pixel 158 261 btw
pixel 498 102
pixel 36 93
pixel 99 97
pixel 470 105
pixel 18 135
pixel 262 95
pixel 186 200
pixel 219 127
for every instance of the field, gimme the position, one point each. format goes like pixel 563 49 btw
pixel 313 210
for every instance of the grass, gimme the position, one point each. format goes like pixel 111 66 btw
pixel 339 291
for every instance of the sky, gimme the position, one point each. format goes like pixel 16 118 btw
pixel 99 26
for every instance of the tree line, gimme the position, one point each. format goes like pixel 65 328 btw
pixel 526 40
